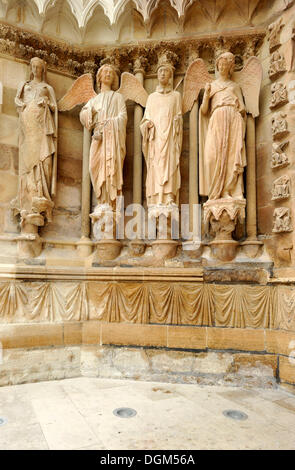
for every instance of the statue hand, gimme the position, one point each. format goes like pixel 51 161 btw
pixel 150 124
pixel 43 101
pixel 207 91
pixel 97 135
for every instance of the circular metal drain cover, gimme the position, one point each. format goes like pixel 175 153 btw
pixel 2 421
pixel 124 412
pixel 235 414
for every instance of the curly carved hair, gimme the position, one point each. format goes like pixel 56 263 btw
pixel 230 58
pixel 115 84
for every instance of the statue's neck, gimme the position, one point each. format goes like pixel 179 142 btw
pixel 164 89
pixel 105 87
pixel 37 80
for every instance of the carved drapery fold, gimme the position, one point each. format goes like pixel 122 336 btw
pixel 234 306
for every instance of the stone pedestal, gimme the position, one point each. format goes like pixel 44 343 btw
pixel 137 247
pixel 222 215
pixel 29 243
pixel 163 216
pixel 164 249
pixel 104 230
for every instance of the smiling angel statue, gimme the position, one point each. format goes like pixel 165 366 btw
pixel 226 102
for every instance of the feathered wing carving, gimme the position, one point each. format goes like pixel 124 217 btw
pixel 80 92
pixel 250 79
pixel 132 89
pixel 195 79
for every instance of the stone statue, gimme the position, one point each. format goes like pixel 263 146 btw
pixel 106 114
pixel 222 154
pixel 222 127
pixel 161 129
pixel 37 109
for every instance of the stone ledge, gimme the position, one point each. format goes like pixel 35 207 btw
pixel 280 342
pixel 47 273
pixel 238 339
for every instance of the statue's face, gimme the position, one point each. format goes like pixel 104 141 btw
pixel 164 74
pixel 37 69
pixel 224 66
pixel 107 76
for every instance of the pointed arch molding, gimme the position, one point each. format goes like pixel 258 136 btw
pixel 83 10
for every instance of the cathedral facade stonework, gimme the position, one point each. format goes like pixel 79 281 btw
pixel 147 157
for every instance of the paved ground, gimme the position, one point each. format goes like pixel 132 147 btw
pixel 78 414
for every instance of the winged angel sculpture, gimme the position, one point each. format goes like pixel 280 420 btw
pixel 222 124
pixel 105 113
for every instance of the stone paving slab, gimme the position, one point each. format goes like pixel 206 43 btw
pixel 78 414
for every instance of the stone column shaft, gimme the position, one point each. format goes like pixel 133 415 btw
pixel 251 224
pixel 137 157
pixel 85 245
pixel 193 160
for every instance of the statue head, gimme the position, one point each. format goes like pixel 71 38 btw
pixel 165 68
pixel 38 69
pixel 107 74
pixel 165 75
pixel 225 63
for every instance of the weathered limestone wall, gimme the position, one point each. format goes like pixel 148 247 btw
pixel 184 354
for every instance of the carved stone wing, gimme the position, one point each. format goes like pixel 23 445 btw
pixel 195 79
pixel 250 79
pixel 80 92
pixel 132 89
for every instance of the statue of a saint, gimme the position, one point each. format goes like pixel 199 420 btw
pixel 161 128
pixel 106 114
pixel 37 108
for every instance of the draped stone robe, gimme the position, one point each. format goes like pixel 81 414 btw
pixel 162 145
pixel 222 146
pixel 37 107
pixel 106 114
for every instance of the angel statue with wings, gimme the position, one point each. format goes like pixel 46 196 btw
pixel 105 114
pixel 222 152
pixel 222 125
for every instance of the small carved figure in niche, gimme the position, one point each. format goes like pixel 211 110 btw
pixel 278 157
pixel 279 94
pixel 274 34
pixel 161 128
pixel 281 188
pixel 277 64
pixel 37 109
pixel 279 125
pixel 282 220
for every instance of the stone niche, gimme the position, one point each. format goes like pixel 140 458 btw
pixel 226 286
